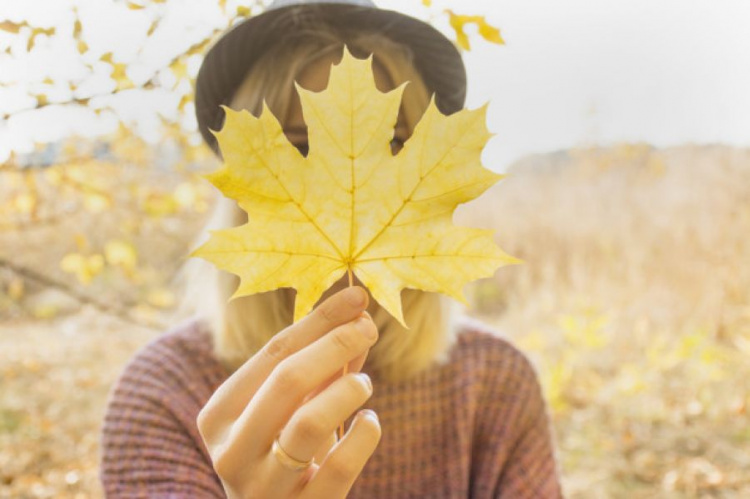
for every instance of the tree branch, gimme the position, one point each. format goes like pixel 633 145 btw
pixel 120 311
pixel 147 85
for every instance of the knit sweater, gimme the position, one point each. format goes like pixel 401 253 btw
pixel 473 427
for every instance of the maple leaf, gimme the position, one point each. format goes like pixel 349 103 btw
pixel 351 205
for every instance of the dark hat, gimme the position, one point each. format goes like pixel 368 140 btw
pixel 231 58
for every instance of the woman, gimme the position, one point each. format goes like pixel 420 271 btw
pixel 242 404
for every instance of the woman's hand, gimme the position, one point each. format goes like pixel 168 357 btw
pixel 292 389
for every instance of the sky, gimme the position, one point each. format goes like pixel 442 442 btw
pixel 581 72
pixel 572 73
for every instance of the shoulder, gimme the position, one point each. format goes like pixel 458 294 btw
pixel 490 351
pixel 512 446
pixel 188 340
pixel 161 390
pixel 510 399
pixel 150 444
pixel 179 361
pixel 503 376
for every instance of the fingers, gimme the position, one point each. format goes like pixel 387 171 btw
pixel 336 475
pixel 313 423
pixel 296 376
pixel 232 396
pixel 355 365
pixel 324 449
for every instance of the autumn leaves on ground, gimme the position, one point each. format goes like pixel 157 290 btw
pixel 633 302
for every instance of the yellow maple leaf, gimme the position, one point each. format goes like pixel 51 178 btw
pixel 351 205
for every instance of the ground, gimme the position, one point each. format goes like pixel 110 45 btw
pixel 56 376
pixel 633 302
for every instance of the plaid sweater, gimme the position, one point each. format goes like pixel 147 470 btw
pixel 475 427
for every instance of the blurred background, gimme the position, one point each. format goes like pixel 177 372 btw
pixel 624 128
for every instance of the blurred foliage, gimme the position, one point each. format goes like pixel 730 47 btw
pixel 100 199
pixel 634 303
pixel 78 226
pixel 58 179
pixel 173 79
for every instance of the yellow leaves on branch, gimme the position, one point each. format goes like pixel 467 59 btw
pixel 459 22
pixel 11 27
pixel 122 254
pixel 34 32
pixel 81 45
pixel 86 265
pixel 351 205
pixel 119 72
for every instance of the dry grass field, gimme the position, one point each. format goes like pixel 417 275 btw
pixel 633 302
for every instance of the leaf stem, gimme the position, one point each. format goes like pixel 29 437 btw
pixel 351 283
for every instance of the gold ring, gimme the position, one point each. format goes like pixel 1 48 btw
pixel 288 461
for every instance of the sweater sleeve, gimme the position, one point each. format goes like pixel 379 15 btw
pixel 513 446
pixel 150 443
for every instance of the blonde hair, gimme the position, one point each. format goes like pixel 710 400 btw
pixel 241 327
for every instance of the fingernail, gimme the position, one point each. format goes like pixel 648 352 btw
pixel 364 377
pixel 355 296
pixel 369 413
